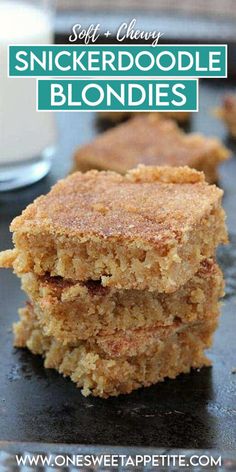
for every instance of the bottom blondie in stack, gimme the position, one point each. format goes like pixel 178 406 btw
pixel 120 273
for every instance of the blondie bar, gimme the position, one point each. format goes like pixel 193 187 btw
pixel 151 141
pixel 228 113
pixel 147 230
pixel 74 311
pixel 122 363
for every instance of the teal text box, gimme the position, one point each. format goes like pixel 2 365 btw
pixel 125 60
pixel 101 95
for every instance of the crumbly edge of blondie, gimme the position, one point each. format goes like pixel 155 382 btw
pixel 123 259
pixel 128 265
pixel 209 160
pixel 73 311
pixel 104 377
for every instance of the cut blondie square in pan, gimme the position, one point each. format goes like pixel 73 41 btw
pixel 147 230
pixel 71 311
pixel 115 364
pixel 150 141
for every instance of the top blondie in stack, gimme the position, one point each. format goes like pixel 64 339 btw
pixel 120 272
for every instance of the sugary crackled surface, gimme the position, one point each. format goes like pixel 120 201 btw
pixel 150 141
pixel 152 204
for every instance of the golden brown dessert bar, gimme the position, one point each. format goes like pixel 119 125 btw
pixel 119 116
pixel 121 364
pixel 147 230
pixel 151 141
pixel 73 311
pixel 228 113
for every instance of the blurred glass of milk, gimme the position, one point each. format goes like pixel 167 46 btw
pixel 27 137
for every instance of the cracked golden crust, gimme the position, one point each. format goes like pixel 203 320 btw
pixel 155 205
pixel 149 229
pixel 151 141
pixel 128 365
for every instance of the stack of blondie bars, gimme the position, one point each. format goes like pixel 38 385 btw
pixel 121 276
